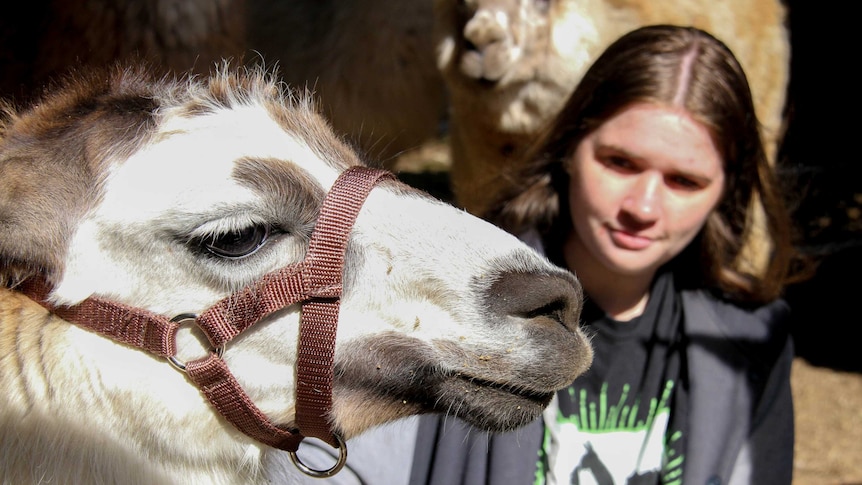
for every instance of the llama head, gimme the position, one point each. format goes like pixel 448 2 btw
pixel 171 194
pixel 513 60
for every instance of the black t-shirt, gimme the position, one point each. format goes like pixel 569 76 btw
pixel 623 422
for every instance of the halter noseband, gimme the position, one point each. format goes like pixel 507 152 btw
pixel 315 283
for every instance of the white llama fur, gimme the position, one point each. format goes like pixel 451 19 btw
pixel 111 185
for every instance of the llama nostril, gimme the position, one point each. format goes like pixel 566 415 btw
pixel 556 310
pixel 546 297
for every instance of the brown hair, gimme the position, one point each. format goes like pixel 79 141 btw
pixel 679 66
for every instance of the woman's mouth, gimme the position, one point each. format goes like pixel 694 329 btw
pixel 630 241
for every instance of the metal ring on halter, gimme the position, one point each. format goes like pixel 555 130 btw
pixel 342 459
pixel 181 319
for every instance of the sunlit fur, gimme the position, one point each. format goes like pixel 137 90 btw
pixel 109 185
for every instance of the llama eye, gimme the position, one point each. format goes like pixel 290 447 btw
pixel 238 244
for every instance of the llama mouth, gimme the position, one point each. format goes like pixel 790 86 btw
pixel 496 397
pixel 541 398
pixel 488 404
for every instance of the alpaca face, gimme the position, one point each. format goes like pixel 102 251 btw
pixel 170 196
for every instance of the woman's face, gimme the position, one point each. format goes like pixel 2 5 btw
pixel 642 186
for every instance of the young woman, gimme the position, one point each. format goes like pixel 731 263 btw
pixel 648 186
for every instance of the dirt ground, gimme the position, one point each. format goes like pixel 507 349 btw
pixel 828 448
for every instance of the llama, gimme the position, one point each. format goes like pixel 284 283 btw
pixel 163 196
pixel 509 65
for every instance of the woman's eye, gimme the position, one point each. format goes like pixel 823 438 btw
pixel 684 183
pixel 619 163
pixel 238 244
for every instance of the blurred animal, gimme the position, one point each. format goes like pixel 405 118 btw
pixel 370 62
pixel 173 196
pixel 510 64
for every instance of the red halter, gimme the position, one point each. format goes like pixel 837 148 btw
pixel 315 283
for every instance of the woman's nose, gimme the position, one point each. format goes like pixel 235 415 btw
pixel 643 201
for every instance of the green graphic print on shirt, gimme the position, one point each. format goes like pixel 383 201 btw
pixel 611 444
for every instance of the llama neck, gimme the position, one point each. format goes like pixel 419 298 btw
pixel 97 412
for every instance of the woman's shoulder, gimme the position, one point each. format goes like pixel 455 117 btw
pixel 775 313
pixel 759 331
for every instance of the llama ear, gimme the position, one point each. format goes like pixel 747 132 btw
pixel 30 229
pixel 44 184
pixel 52 160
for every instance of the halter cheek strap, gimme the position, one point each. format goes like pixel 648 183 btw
pixel 315 283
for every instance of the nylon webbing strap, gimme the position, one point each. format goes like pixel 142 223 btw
pixel 230 316
pixel 319 321
pixel 129 325
pixel 221 388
